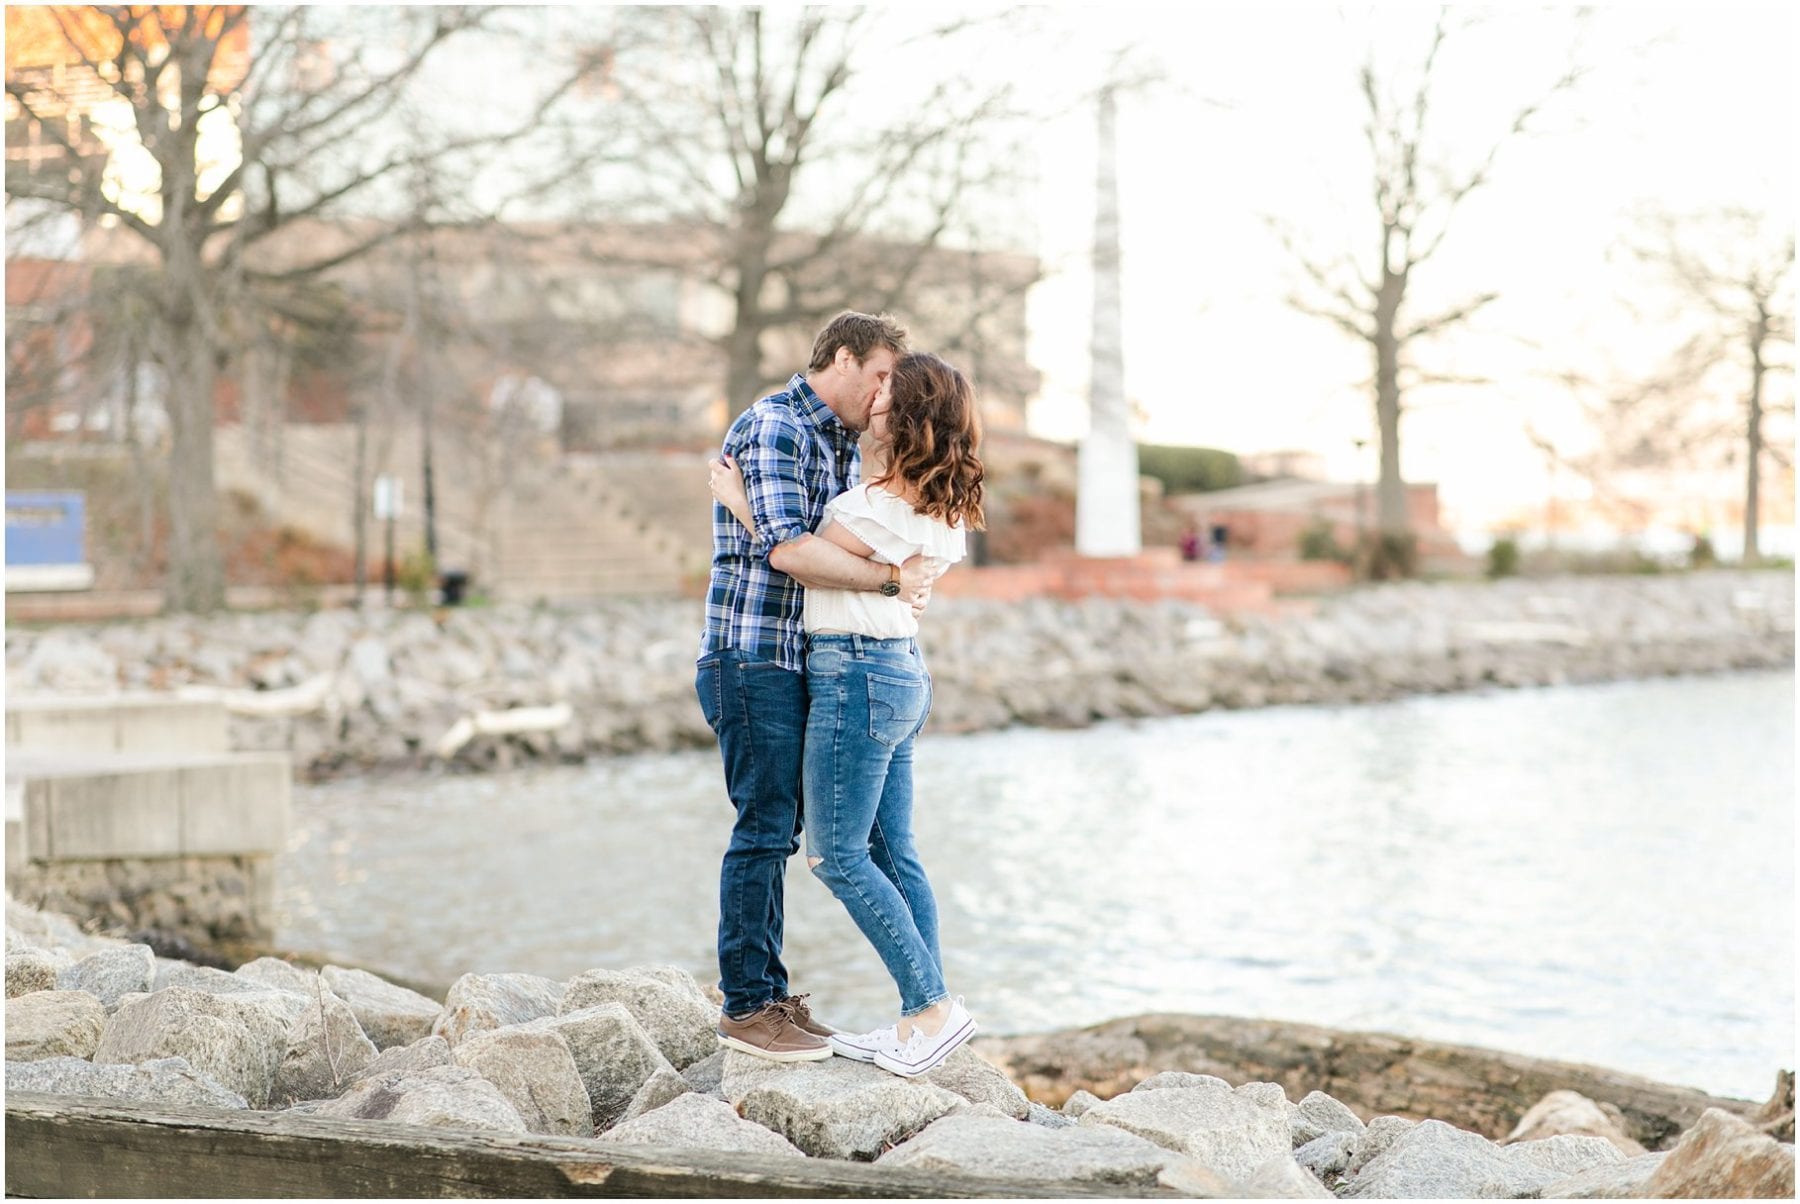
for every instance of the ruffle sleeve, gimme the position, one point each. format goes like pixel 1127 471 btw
pixel 893 529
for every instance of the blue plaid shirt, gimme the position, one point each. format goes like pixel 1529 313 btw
pixel 796 457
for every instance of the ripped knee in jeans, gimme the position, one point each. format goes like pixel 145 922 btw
pixel 813 863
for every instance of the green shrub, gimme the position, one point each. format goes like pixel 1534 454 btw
pixel 1319 542
pixel 1190 469
pixel 417 575
pixel 1503 558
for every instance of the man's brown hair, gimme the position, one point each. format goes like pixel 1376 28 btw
pixel 861 333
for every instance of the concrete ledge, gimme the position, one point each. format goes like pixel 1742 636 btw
pixel 116 723
pixel 92 807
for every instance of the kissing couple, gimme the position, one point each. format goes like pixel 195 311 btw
pixel 810 674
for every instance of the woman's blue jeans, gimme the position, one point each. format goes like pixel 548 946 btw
pixel 868 700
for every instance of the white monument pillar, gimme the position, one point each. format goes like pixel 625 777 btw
pixel 1106 506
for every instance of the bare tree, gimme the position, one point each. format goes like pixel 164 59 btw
pixel 1417 194
pixel 1732 270
pixel 806 189
pixel 1725 274
pixel 256 124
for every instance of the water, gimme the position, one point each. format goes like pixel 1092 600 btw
pixel 1597 873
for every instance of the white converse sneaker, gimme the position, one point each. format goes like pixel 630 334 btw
pixel 863 1047
pixel 920 1053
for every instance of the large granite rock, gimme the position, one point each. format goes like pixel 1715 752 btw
pixel 665 1001
pixel 326 1052
pixel 30 970
pixel 613 1056
pixel 707 1075
pixel 1571 1113
pixel 110 974
pixel 237 1040
pixel 1077 1103
pixel 1231 1131
pixel 452 1097
pixel 478 1002
pixel 53 1024
pixel 1724 1156
pixel 1284 1179
pixel 203 978
pixel 837 1108
pixel 1776 1116
pixel 660 1088
pixel 1318 1114
pixel 1328 1155
pixel 1436 1159
pixel 695 1121
pixel 271 973
pixel 979 1081
pixel 1002 1148
pixel 391 1015
pixel 1625 1180
pixel 535 1071
pixel 1382 1132
pixel 159 1081
pixel 422 1054
pixel 49 930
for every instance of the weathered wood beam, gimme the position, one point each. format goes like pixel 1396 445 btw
pixel 67 1146
pixel 1483 1090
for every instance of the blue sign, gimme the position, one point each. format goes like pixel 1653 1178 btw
pixel 45 528
pixel 46 542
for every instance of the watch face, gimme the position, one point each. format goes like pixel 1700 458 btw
pixel 890 589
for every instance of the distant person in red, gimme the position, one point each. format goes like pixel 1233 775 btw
pixel 1190 541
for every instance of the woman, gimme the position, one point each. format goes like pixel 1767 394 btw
pixel 870 695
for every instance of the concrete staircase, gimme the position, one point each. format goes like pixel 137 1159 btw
pixel 533 526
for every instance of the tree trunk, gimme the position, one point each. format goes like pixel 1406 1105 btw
pixel 430 499
pixel 1392 554
pixel 1753 470
pixel 744 362
pixel 744 379
pixel 359 501
pixel 194 581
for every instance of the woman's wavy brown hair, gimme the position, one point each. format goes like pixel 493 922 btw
pixel 934 430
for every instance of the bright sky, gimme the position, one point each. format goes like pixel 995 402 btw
pixel 1687 108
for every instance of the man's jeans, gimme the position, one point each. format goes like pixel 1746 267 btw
pixel 758 711
pixel 869 700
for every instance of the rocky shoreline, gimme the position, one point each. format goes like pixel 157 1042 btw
pixel 497 687
pixel 627 1059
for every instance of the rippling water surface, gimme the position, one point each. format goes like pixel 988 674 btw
pixel 1597 873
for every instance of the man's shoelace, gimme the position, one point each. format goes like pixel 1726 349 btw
pixel 794 1008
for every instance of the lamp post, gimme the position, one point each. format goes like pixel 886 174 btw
pixel 1361 491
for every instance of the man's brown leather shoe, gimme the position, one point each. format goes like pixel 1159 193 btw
pixel 771 1033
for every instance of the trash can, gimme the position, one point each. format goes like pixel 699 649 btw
pixel 452 584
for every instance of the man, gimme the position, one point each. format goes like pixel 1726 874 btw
pixel 798 450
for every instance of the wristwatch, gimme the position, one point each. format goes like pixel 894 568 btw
pixel 891 587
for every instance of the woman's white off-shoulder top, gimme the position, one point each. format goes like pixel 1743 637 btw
pixel 896 532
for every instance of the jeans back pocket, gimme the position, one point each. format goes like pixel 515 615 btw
pixel 896 708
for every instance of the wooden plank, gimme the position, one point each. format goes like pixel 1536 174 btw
pixel 66 1146
pixel 1482 1090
